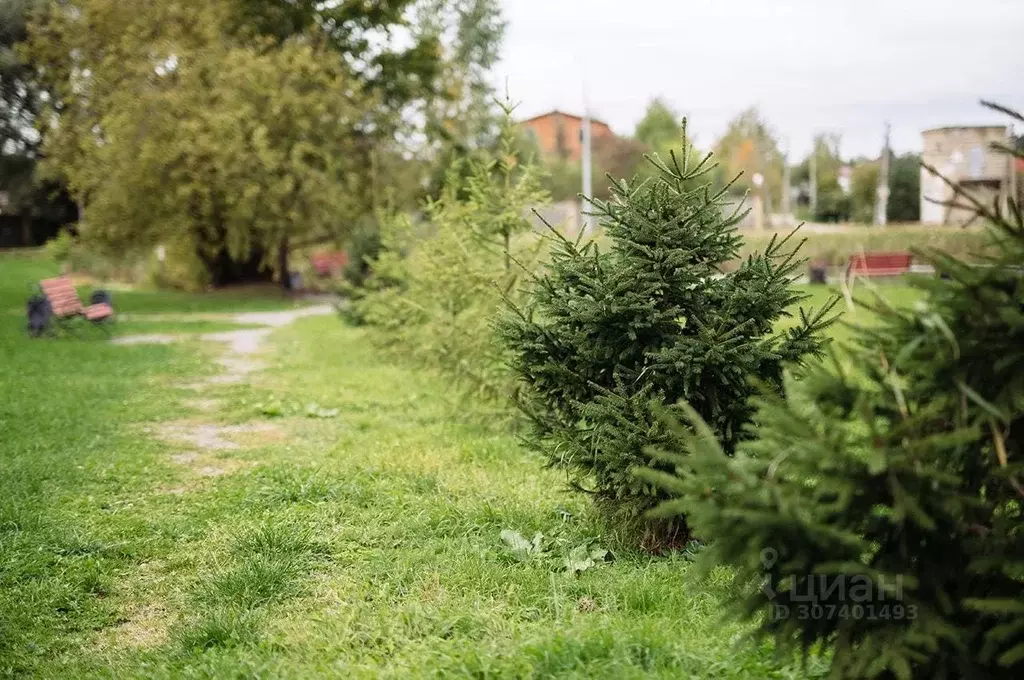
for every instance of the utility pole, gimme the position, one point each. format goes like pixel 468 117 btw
pixel 588 189
pixel 882 202
pixel 785 207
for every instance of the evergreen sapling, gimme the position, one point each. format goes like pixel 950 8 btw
pixel 879 510
pixel 608 338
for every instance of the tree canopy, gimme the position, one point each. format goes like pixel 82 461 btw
pixel 233 129
pixel 169 133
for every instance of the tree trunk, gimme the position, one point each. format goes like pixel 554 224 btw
pixel 282 265
pixel 26 231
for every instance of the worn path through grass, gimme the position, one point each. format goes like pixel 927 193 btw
pixel 322 512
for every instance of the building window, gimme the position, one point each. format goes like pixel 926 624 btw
pixel 976 162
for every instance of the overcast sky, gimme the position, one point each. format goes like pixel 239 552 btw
pixel 842 66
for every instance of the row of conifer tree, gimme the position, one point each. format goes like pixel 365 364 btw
pixel 869 497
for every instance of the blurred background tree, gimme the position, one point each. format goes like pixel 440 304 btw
pixel 864 191
pixel 34 211
pixel 660 128
pixel 464 118
pixel 618 157
pixel 749 145
pixel 414 69
pixel 834 203
pixel 905 188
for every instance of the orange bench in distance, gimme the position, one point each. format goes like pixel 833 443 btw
pixel 879 264
pixel 64 304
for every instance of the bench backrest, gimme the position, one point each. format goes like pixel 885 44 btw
pixel 62 296
pixel 327 264
pixel 866 262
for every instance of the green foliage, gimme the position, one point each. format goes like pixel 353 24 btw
pixel 864 192
pixel 563 179
pixel 834 205
pixel 905 188
pixel 363 247
pixel 239 129
pixel 606 340
pixel 19 89
pixel 659 128
pixel 59 248
pixel 44 207
pixel 464 119
pixel 436 285
pixel 895 469
pixel 229 150
pixel 572 560
pixel 750 146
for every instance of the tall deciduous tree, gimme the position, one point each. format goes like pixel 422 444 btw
pixel 470 119
pixel 372 38
pixel 19 91
pixel 833 203
pixel 464 118
pixel 170 132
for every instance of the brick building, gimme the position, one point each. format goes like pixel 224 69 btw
pixel 964 155
pixel 558 134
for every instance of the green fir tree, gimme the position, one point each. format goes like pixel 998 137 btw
pixel 436 284
pixel 879 511
pixel 607 338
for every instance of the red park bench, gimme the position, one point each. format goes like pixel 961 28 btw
pixel 62 305
pixel 329 264
pixel 879 264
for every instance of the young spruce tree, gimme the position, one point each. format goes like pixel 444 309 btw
pixel 437 283
pixel 880 509
pixel 607 339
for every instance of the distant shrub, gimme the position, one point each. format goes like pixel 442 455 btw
pixel 59 248
pixel 363 247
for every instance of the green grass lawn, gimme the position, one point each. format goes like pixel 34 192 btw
pixel 894 293
pixel 362 545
